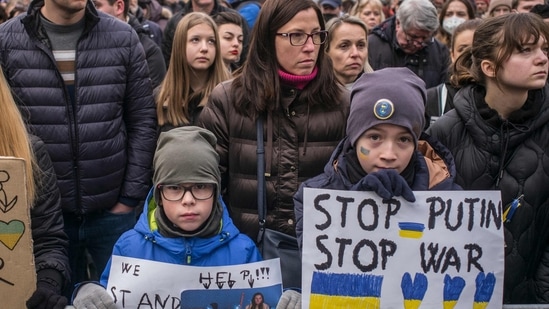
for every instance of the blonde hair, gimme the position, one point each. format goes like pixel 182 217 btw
pixel 172 103
pixel 15 138
pixel 361 4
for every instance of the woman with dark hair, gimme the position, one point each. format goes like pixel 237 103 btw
pixel 498 133
pixel 288 82
pixel 258 302
pixel 231 37
pixel 453 13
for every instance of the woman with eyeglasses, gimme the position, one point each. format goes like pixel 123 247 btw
pixel 406 40
pixel 184 220
pixel 288 83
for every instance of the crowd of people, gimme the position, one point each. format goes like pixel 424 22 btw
pixel 138 121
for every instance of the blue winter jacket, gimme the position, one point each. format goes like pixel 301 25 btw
pixel 434 170
pixel 228 247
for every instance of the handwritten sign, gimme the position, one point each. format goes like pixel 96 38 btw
pixel 137 283
pixel 17 271
pixel 443 251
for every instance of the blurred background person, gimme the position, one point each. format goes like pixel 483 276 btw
pixel 330 8
pixel 524 6
pixel 347 46
pixel 369 11
pixel 499 7
pixel 229 26
pixel 440 99
pixel 453 13
pixel 406 40
pixel 196 68
pixel 482 7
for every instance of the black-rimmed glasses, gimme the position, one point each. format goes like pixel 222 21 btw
pixel 300 38
pixel 199 191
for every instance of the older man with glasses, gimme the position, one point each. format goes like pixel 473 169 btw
pixel 406 40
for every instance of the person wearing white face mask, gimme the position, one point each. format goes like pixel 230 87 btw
pixel 453 13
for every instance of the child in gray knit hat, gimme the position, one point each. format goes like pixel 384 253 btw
pixel 184 220
pixel 385 150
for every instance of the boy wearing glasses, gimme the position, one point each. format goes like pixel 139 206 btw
pixel 406 40
pixel 184 220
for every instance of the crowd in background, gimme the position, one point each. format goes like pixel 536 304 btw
pixel 119 79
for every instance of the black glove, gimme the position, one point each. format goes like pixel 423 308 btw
pixel 48 291
pixel 386 183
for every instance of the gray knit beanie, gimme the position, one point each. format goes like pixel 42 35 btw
pixel 187 155
pixel 390 95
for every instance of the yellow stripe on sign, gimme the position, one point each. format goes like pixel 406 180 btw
pixel 480 305
pixel 412 303
pixel 410 234
pixel 450 304
pixel 342 302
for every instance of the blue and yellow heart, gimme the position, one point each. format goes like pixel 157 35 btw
pixel 10 233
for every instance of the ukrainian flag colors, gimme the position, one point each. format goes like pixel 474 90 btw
pixel 11 232
pixel 411 229
pixel 413 292
pixel 329 290
pixel 452 290
pixel 484 289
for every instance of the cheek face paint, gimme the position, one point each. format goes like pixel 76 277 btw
pixel 364 153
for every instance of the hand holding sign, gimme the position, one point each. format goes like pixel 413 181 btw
pixel 386 183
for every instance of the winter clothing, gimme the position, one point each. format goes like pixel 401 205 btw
pixel 430 63
pixel 49 240
pixel 109 137
pixel 228 247
pixel 153 53
pixel 298 137
pixel 377 101
pixel 495 3
pixel 198 163
pixel 440 100
pixel 511 156
pixel 432 169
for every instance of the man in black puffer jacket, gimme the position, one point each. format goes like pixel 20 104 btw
pixel 81 81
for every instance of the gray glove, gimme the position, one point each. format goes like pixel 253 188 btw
pixel 93 296
pixel 290 299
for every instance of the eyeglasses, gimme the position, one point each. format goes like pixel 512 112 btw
pixel 300 38
pixel 199 191
pixel 413 39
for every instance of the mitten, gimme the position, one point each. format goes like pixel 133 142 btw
pixel 93 296
pixel 48 291
pixel 386 183
pixel 290 299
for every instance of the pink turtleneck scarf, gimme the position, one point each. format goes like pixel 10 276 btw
pixel 297 81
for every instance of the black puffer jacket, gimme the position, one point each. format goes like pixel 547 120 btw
pixel 102 145
pixel 50 243
pixel 430 63
pixel 512 156
pixel 299 140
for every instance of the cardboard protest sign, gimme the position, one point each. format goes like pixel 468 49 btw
pixel 17 271
pixel 137 283
pixel 446 250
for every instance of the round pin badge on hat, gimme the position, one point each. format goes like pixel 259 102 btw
pixel 383 109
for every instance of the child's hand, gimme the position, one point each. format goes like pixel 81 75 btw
pixel 91 295
pixel 386 183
